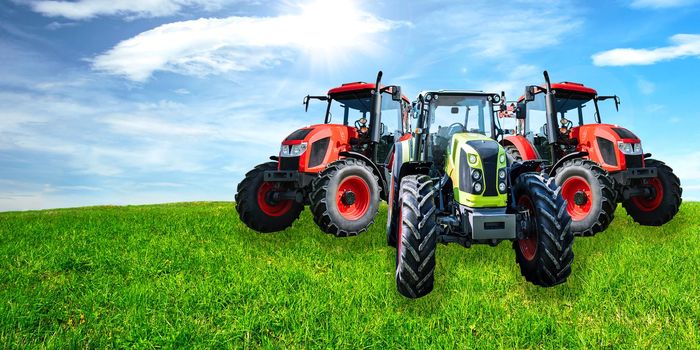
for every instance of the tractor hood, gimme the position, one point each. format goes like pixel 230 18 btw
pixel 473 163
pixel 614 147
pixel 311 148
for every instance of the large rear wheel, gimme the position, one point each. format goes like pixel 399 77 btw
pixel 513 153
pixel 545 253
pixel 255 205
pixel 417 237
pixel 665 199
pixel 590 195
pixel 345 197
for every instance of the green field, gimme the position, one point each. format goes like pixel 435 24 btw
pixel 192 275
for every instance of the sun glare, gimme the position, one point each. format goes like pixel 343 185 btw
pixel 336 30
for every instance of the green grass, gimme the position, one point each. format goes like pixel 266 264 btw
pixel 192 275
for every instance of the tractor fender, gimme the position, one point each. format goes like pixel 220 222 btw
pixel 561 161
pixel 526 149
pixel 375 169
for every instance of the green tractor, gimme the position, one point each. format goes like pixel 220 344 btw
pixel 452 183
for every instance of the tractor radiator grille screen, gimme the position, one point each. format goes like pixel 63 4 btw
pixel 488 152
pixel 289 163
pixel 318 151
pixel 607 150
pixel 634 161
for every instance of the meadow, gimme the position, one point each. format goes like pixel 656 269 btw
pixel 191 275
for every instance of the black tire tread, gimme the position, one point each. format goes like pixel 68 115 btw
pixel 554 256
pixel 608 198
pixel 250 214
pixel 319 206
pixel 513 153
pixel 415 263
pixel 668 208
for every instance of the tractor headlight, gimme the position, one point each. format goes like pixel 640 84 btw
pixel 501 187
pixel 477 187
pixel 502 158
pixel 629 148
pixel 638 148
pixel 472 159
pixel 502 174
pixel 293 150
pixel 476 174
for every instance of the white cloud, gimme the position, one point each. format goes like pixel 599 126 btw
pixel 645 86
pixel 658 4
pixel 236 44
pixel 86 9
pixel 683 45
pixel 515 81
pixel 483 29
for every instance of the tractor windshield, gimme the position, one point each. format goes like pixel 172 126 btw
pixel 450 114
pixel 353 107
pixel 577 108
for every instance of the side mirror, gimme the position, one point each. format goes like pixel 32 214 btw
pixel 530 92
pixel 306 103
pixel 396 93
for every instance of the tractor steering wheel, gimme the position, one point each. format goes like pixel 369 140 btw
pixel 460 126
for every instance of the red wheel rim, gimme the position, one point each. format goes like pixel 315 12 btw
pixel 650 204
pixel 356 188
pixel 277 209
pixel 528 245
pixel 572 187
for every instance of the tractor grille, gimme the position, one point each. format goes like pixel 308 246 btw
pixel 488 152
pixel 607 150
pixel 633 161
pixel 289 163
pixel 318 151
pixel 465 178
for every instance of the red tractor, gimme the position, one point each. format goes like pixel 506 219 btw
pixel 338 168
pixel 597 165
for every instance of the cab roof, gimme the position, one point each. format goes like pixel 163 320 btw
pixel 577 87
pixel 457 92
pixel 568 86
pixel 357 86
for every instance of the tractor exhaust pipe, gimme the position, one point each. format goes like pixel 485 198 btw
pixel 552 123
pixel 375 115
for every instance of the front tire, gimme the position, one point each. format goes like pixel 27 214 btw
pixel 590 195
pixel 546 252
pixel 345 197
pixel 664 205
pixel 417 237
pixel 255 208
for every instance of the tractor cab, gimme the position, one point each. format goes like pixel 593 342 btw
pixel 447 113
pixel 348 110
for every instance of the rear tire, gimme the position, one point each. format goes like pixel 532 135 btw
pixel 546 253
pixel 417 237
pixel 590 195
pixel 657 211
pixel 513 153
pixel 258 213
pixel 345 197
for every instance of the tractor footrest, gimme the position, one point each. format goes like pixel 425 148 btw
pixel 486 225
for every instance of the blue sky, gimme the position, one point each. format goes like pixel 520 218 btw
pixel 132 101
